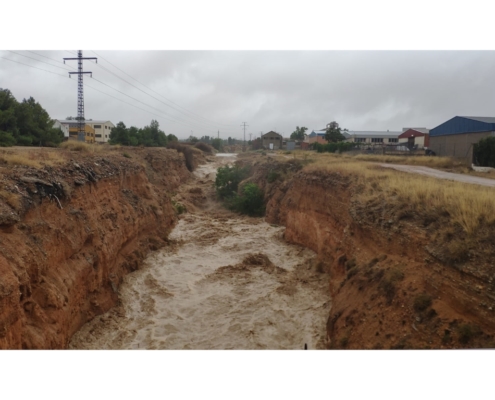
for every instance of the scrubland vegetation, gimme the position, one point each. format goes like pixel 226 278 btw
pixel 34 158
pixel 468 205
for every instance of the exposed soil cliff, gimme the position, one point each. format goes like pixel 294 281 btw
pixel 397 279
pixel 69 234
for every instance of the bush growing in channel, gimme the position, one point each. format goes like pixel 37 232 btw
pixel 251 199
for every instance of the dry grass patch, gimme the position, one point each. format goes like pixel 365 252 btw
pixel 20 159
pixel 81 146
pixel 433 162
pixel 468 205
pixel 34 158
pixel 12 199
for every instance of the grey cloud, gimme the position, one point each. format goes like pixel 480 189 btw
pixel 267 89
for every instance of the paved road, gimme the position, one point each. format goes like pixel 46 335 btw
pixel 435 173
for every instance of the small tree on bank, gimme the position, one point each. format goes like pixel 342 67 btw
pixel 484 152
pixel 298 134
pixel 334 133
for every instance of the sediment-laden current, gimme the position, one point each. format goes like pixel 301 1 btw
pixel 225 282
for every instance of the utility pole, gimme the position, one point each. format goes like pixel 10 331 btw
pixel 218 135
pixel 81 135
pixel 250 135
pixel 244 125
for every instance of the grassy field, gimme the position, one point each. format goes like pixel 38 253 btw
pixel 468 205
pixel 39 157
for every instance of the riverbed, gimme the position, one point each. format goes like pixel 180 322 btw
pixel 225 282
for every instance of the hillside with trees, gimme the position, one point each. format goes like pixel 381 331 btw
pixel 25 123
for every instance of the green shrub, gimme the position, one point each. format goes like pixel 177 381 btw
pixel 179 207
pixel 228 179
pixel 6 139
pixel 484 152
pixel 251 201
pixel 272 176
pixel 339 147
pixel 126 155
pixel 217 144
pixel 422 302
pixel 25 140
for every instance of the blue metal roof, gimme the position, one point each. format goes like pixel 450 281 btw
pixel 459 125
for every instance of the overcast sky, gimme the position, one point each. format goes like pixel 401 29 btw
pixel 208 91
pixel 248 70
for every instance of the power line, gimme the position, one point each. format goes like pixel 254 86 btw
pixel 93 88
pixel 159 93
pixel 185 123
pixel 199 116
pixel 53 59
pixel 125 102
pixel 139 101
pixel 106 69
pixel 41 69
pixel 85 84
pixel 44 62
pixel 18 62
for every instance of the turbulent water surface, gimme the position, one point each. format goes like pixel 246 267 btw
pixel 226 282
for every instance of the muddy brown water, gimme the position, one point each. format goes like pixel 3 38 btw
pixel 229 282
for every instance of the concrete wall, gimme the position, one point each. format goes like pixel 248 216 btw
pixel 274 138
pixel 102 134
pixel 460 145
pixel 317 139
pixel 290 146
pixel 63 127
pixel 418 140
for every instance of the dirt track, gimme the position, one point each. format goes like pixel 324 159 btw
pixel 225 282
pixel 435 173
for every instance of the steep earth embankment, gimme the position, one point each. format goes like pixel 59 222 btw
pixel 69 234
pixel 226 281
pixel 397 279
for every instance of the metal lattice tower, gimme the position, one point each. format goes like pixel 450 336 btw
pixel 81 135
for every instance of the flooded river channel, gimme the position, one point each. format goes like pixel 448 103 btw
pixel 226 282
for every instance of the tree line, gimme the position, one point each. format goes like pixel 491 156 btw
pixel 26 123
pixel 149 136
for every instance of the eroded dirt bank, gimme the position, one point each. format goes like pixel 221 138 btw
pixel 398 279
pixel 69 235
pixel 225 282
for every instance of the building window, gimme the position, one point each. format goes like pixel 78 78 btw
pixel 106 136
pixel 97 126
pixel 393 140
pixel 360 140
pixel 106 127
pixel 377 140
pixel 98 135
